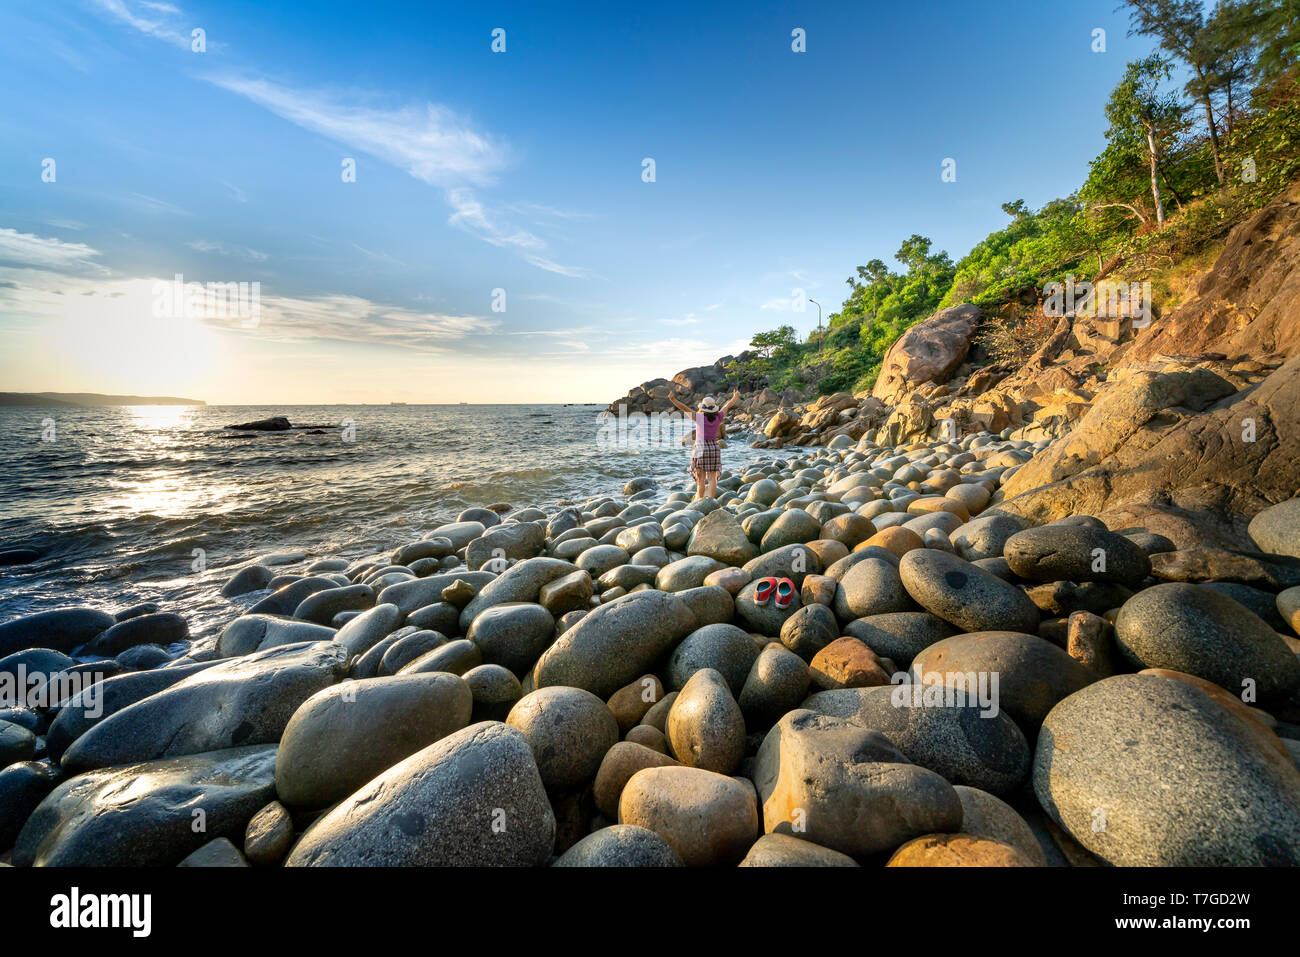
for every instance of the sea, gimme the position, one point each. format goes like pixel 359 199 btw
pixel 135 504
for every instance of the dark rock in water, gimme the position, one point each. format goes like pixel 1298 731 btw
pixel 83 711
pixel 22 787
pixel 135 611
pixel 425 548
pixel 513 540
pixel 18 556
pixel 142 815
pixel 495 691
pixel 158 629
pixel 615 643
pixel 1205 633
pixel 513 634
pixel 438 808
pixel 486 516
pixel 407 648
pixel 37 722
pixel 323 605
pixel 620 845
pixel 344 736
pixel 62 630
pixel 143 657
pixel 16 743
pixel 286 599
pixel 1194 784
pixel 241 702
pixel 276 423
pixel 36 666
pixel 455 657
pixel 367 664
pixel 248 578
pixel 441 616
pixel 249 633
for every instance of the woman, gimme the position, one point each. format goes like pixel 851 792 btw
pixel 706 457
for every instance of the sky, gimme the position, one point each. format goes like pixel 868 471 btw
pixel 429 219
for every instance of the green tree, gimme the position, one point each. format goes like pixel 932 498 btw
pixel 1138 110
pixel 1181 28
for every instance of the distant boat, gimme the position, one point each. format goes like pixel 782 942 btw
pixel 397 403
pixel 464 403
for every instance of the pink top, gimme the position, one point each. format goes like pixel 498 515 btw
pixel 706 431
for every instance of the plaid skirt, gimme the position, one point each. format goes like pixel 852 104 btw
pixel 706 457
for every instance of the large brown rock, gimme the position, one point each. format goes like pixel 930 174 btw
pixel 930 351
pixel 1239 455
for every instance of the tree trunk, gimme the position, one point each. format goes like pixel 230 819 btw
pixel 1214 138
pixel 1155 178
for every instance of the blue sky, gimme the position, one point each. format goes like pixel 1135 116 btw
pixel 776 174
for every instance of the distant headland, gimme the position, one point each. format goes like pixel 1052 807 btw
pixel 91 399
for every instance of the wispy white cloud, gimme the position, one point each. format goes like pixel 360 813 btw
pixel 157 20
pixel 39 252
pixel 431 143
pixel 237 194
pixel 228 249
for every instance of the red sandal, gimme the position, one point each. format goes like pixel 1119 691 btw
pixel 784 593
pixel 763 591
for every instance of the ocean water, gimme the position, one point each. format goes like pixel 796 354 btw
pixel 119 499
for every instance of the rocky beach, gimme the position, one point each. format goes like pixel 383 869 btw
pixel 1019 628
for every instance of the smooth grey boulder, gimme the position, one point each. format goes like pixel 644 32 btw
pixel 1276 529
pixel 473 799
pixel 522 582
pixel 723 647
pixel 512 540
pixel 413 595
pixel 1032 674
pixel 794 562
pixel 965 594
pixel 161 628
pixel 1203 632
pixel 966 743
pixel 620 845
pixel 321 607
pixel 513 634
pixel 345 735
pixel 871 587
pixel 847 787
pixel 809 630
pixel 244 701
pixel 900 636
pixel 90 706
pixel 250 633
pixel 142 815
pixel 784 850
pixel 1194 785
pixel 249 578
pixel 287 597
pixel 776 683
pixel 369 628
pixel 63 630
pixel 1077 553
pixel 615 643
pixel 793 526
pixel 686 573
pixel 986 536
pixel 569 730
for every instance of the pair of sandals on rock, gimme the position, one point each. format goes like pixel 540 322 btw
pixel 779 591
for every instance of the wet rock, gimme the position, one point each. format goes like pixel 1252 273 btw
pixel 245 701
pixel 455 657
pixel 141 815
pixel 269 836
pixel 23 786
pixel 513 634
pixel 218 853
pixel 62 630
